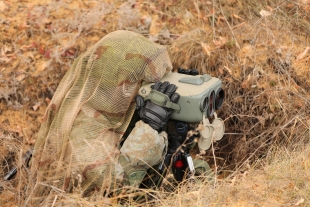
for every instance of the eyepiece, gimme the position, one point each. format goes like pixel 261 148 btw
pixel 220 94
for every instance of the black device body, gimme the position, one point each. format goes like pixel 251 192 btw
pixel 177 160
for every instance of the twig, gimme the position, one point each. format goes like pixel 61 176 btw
pixel 213 18
pixel 214 159
pixel 54 201
pixel 238 25
pixel 231 30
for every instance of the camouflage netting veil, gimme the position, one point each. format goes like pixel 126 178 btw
pixel 90 112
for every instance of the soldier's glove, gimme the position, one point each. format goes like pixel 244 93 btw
pixel 188 71
pixel 157 106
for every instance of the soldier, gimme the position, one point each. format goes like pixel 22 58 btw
pixel 78 143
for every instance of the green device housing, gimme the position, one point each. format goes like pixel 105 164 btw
pixel 196 93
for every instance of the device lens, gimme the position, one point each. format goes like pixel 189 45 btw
pixel 219 98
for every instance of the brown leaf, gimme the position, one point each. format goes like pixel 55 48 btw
pixel 206 49
pixel 19 131
pixel 71 51
pixel 221 71
pixel 3 6
pixel 5 59
pixel 21 77
pixel 153 28
pixel 264 13
pixel 290 6
pixel 45 64
pixel 300 201
pixel 228 70
pixel 245 84
pixel 237 17
pixel 7 49
pixel 26 47
pixel 303 54
pixel 197 9
pixel 32 141
pixel 270 8
pixel 305 2
pixel 47 53
pixel 220 42
pixel 36 106
pixel 48 101
pixel 233 181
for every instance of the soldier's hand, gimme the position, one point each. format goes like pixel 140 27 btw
pixel 153 114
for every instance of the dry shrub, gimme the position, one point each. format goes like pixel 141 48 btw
pixel 258 55
pixel 281 180
pixel 9 150
pixel 266 85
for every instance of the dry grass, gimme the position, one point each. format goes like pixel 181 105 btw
pixel 266 84
pixel 281 180
pixel 258 48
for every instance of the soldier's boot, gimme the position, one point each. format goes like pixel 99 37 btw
pixel 135 174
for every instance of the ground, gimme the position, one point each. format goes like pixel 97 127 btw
pixel 260 50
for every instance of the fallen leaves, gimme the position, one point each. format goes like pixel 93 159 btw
pixel 302 55
pixel 43 50
pixel 21 77
pixel 36 106
pixel 40 66
pixel 197 9
pixel 6 57
pixel 48 101
pixel 247 52
pixel 264 13
pixel 305 2
pixel 220 42
pixel 228 70
pixel 69 53
pixel 300 201
pixel 237 17
pixel 154 30
pixel 26 47
pixel 206 49
pixel 26 134
pixel 19 131
pixel 45 64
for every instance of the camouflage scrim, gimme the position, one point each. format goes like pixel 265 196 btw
pixel 89 113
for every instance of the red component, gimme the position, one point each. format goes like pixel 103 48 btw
pixel 178 164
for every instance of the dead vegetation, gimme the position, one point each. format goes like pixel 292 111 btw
pixel 259 49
